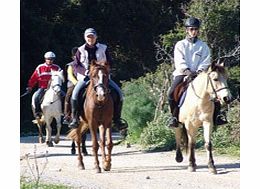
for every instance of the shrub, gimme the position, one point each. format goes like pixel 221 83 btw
pixel 156 136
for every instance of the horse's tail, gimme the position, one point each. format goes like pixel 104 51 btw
pixel 185 139
pixel 75 133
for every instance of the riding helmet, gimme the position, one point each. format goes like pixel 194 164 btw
pixel 192 22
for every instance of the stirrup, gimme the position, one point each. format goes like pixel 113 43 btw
pixel 74 124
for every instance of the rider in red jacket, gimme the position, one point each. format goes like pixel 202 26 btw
pixel 41 76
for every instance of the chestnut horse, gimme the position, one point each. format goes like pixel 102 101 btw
pixel 197 110
pixel 97 114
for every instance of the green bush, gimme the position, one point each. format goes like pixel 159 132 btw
pixel 138 108
pixel 156 136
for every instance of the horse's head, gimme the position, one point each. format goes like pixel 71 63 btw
pixel 99 77
pixel 218 83
pixel 56 81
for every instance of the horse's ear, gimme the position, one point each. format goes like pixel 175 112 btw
pixel 212 66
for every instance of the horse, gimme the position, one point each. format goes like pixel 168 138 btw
pixel 197 110
pixel 97 114
pixel 51 108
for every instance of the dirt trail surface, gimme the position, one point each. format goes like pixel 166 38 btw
pixel 131 168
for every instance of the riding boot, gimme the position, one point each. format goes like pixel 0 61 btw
pixel 37 114
pixel 173 122
pixel 66 118
pixel 118 122
pixel 75 117
pixel 219 118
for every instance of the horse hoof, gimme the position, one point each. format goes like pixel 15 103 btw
pixel 85 153
pixel 179 159
pixel 41 140
pixel 49 144
pixel 81 166
pixel 56 141
pixel 213 171
pixel 107 166
pixel 191 169
pixel 98 170
pixel 73 151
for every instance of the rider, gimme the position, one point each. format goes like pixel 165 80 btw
pixel 72 81
pixel 191 56
pixel 87 52
pixel 42 75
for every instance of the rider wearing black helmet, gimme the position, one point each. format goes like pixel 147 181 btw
pixel 191 56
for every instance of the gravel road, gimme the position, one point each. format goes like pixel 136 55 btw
pixel 131 168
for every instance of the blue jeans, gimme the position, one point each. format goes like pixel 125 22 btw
pixel 37 99
pixel 81 84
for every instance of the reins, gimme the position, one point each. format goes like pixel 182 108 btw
pixel 213 89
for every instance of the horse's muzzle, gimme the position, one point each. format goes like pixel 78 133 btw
pixel 227 99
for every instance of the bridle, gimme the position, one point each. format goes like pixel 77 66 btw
pixel 100 83
pixel 214 91
pixel 53 87
pixel 214 95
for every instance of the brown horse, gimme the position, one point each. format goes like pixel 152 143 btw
pixel 97 114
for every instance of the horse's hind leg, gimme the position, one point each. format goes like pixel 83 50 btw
pixel 83 140
pixel 73 147
pixel 107 165
pixel 48 134
pixel 208 146
pixel 78 141
pixel 178 135
pixel 57 137
pixel 40 133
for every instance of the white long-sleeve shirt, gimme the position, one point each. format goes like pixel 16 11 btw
pixel 195 56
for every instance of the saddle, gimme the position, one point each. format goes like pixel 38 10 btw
pixel 179 93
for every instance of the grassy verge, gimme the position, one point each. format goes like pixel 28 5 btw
pixel 24 184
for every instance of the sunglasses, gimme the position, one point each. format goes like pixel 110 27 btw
pixel 193 29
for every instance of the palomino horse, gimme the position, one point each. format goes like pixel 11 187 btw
pixel 51 108
pixel 98 113
pixel 197 110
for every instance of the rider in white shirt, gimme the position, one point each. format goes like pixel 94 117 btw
pixel 191 56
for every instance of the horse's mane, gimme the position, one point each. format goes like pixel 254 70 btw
pixel 95 65
pixel 220 68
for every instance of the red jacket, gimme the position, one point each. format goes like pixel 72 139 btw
pixel 42 75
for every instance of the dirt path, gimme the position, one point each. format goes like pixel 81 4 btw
pixel 131 168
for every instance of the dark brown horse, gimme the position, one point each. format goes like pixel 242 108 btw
pixel 97 114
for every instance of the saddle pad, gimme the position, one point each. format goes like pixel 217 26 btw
pixel 182 98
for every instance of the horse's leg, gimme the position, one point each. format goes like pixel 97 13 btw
pixel 48 133
pixel 191 147
pixel 178 135
pixel 95 147
pixel 57 137
pixel 207 129
pixel 78 141
pixel 83 140
pixel 40 133
pixel 102 144
pixel 73 146
pixel 109 149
